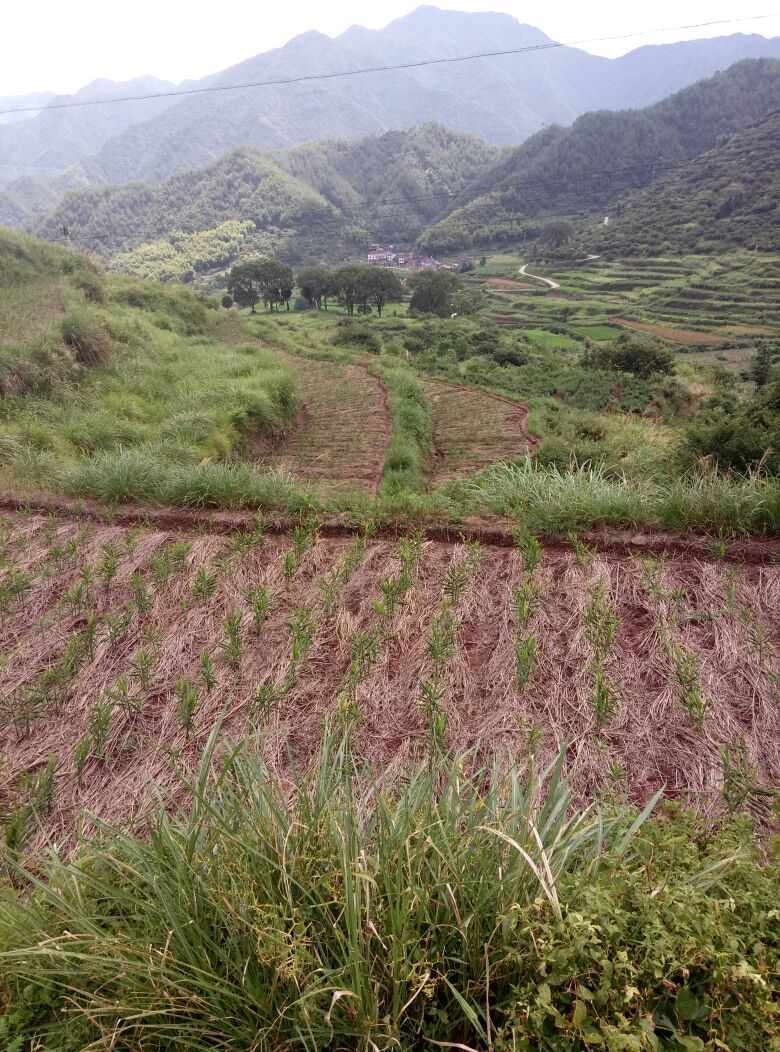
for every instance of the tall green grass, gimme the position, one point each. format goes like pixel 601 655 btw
pixel 146 476
pixel 181 399
pixel 554 500
pixel 411 439
pixel 478 910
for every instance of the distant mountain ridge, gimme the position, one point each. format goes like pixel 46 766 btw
pixel 502 99
pixel 56 138
pixel 446 190
pixel 28 106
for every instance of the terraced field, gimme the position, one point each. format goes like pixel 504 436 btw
pixel 472 429
pixel 121 647
pixel 343 428
pixel 691 300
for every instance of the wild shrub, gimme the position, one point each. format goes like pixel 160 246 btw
pixel 357 335
pixel 640 355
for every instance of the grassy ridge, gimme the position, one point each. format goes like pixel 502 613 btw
pixel 411 440
pixel 554 500
pixel 129 387
pixel 447 908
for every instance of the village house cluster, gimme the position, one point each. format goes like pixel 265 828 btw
pixel 390 256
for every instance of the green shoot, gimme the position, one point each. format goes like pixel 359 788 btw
pixel 231 644
pixel 187 698
pixel 207 672
pixel 204 584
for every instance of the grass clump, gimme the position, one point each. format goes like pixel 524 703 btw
pixel 86 335
pixel 411 440
pixel 137 475
pixel 446 908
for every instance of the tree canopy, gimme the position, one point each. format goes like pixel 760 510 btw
pixel 639 355
pixel 243 285
pixel 261 279
pixel 434 292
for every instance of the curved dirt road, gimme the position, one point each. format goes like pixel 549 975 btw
pixel 547 281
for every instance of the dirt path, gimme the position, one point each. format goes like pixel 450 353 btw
pixel 472 428
pixel 547 281
pixel 343 428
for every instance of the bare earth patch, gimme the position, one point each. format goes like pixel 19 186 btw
pixel 682 336
pixel 472 428
pixel 343 428
pixel 717 619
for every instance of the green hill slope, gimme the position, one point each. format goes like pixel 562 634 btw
pixel 581 169
pixel 312 201
pixel 728 197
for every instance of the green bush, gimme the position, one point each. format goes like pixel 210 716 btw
pixel 738 434
pixel 638 355
pixel 350 333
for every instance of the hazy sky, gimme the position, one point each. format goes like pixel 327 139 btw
pixel 60 46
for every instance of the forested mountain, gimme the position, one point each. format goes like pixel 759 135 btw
pixel 581 169
pixel 502 99
pixel 310 202
pixel 727 197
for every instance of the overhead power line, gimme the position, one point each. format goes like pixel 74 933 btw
pixel 280 81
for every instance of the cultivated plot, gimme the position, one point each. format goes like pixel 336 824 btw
pixel 343 427
pixel 121 648
pixel 472 429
